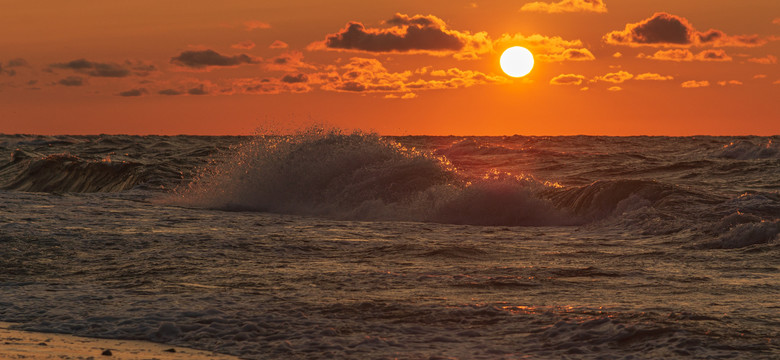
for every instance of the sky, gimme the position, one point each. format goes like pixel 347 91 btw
pixel 235 67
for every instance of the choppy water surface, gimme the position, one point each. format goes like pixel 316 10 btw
pixel 328 245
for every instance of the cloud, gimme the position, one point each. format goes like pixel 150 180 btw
pixel 567 79
pixel 244 45
pixel 406 96
pixel 369 75
pixel 713 55
pixel 198 90
pixel 616 78
pixel 617 55
pixel 730 82
pixel 566 6
pixel 425 34
pixel 759 76
pixel 290 62
pixel 687 55
pixel 615 88
pixel 654 77
pixel 664 29
pixel 547 48
pixel 112 70
pixel 95 69
pixel 695 84
pixel 201 59
pixel 254 25
pixel 267 86
pixel 278 44
pixel 72 81
pixel 766 60
pixel 170 92
pixel 17 62
pixel 292 79
pixel 133 92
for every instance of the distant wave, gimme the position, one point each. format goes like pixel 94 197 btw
pixel 748 150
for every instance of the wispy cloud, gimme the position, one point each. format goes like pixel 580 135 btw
pixel 133 92
pixel 547 48
pixel 255 24
pixel 244 45
pixel 72 81
pixel 654 77
pixel 695 84
pixel 566 6
pixel 687 55
pixel 729 82
pixel 567 79
pixel 766 60
pixel 616 77
pixel 369 75
pixel 278 44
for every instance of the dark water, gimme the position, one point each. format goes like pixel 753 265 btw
pixel 329 245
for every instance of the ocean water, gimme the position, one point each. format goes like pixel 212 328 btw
pixel 354 246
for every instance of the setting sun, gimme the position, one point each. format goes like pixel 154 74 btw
pixel 517 61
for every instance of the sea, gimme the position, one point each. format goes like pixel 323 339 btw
pixel 333 244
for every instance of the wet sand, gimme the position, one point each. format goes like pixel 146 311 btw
pixel 17 344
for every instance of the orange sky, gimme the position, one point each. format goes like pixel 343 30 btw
pixel 610 67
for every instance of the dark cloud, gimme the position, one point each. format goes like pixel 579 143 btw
pixel 289 62
pixel 169 92
pixel 113 70
pixel 407 34
pixel 199 59
pixel 7 68
pixel 290 79
pixel 664 29
pixel 72 81
pixel 199 90
pixel 16 62
pixel 96 69
pixel 133 92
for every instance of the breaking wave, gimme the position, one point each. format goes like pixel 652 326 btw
pixel 367 177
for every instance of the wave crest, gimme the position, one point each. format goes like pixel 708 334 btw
pixel 365 177
pixel 33 172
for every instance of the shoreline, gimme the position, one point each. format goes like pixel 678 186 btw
pixel 21 344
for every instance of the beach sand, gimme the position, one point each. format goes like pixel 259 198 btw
pixel 17 344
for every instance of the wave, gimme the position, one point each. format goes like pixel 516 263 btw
pixel 33 172
pixel 367 177
pixel 748 150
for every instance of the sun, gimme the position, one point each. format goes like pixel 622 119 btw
pixel 517 61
